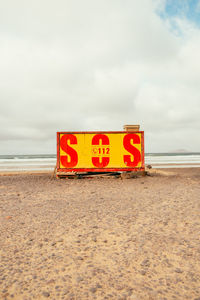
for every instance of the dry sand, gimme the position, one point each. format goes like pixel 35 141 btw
pixel 100 238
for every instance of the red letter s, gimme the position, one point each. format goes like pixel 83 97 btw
pixel 68 150
pixel 130 148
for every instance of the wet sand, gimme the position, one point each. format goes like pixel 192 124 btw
pixel 100 238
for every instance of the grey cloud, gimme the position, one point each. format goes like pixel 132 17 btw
pixel 95 65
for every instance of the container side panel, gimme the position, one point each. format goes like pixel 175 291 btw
pixel 100 151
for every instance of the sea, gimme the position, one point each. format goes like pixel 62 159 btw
pixel 20 163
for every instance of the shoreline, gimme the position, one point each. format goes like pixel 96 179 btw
pixel 166 167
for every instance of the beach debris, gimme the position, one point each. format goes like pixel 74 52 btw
pixel 143 272
pixel 178 270
pixel 157 172
pixel 132 174
pixel 54 172
pixel 8 217
pixel 51 281
pixel 145 263
pixel 149 167
pixel 46 294
pixel 79 279
pixel 93 290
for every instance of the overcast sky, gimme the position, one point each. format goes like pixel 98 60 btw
pixel 96 65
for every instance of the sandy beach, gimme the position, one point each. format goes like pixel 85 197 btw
pixel 100 238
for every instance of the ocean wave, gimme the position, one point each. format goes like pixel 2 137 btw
pixel 44 162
